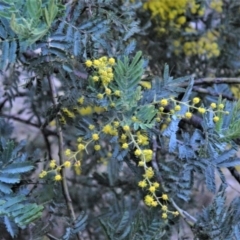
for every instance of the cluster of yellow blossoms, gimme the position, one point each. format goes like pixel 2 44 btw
pixel 216 109
pixel 128 139
pixel 103 69
pixel 103 72
pixel 216 5
pixel 173 15
pixel 79 110
pixel 205 45
pixel 56 169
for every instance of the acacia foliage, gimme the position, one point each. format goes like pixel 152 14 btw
pixel 131 138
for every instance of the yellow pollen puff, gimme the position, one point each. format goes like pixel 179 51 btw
pixel 77 164
pixel 110 75
pixel 117 93
pixel 156 184
pixel 141 163
pixel 67 164
pixel 88 63
pixel 91 127
pixel 188 115
pixel 196 100
pixel 52 164
pixel 181 20
pixel 100 96
pixel 68 152
pixel 97 147
pixel 101 71
pixel 152 189
pixel 221 106
pixel 148 200
pixel 59 168
pixel 142 184
pixel 125 146
pixel 177 108
pixel 164 102
pixel 164 216
pixel 213 105
pixel 165 197
pixel 148 153
pixel 126 128
pixel 116 124
pixel 201 110
pixel 85 110
pixel 81 147
pixel 164 208
pixel 161 109
pixel 176 213
pixel 123 137
pixel 95 78
pixel 104 73
pixel 95 137
pixel 108 91
pixel 96 63
pixel 111 61
pixel 43 174
pixel 149 173
pixel 58 177
pixel 109 70
pixel 107 129
pixel 216 119
pixel 80 100
pixel 134 118
pixel 154 203
pixel 103 59
pixel 138 152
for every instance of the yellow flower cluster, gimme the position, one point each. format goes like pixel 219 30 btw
pixel 55 168
pixel 83 111
pixel 173 17
pixel 151 199
pixel 205 45
pixel 176 106
pixel 142 139
pixel 109 129
pixel 172 13
pixel 103 69
pixel 217 5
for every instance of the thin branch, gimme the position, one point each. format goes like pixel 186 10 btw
pixel 60 153
pixel 20 120
pixel 234 173
pixel 209 81
pixel 46 131
pixel 20 94
pixel 185 215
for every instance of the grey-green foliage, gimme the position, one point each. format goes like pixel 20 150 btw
pixel 22 24
pixel 219 220
pixel 122 223
pixel 231 129
pixel 78 226
pixel 15 208
pixel 88 30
